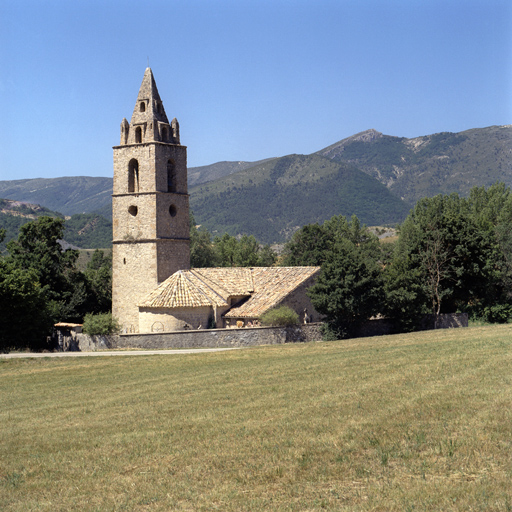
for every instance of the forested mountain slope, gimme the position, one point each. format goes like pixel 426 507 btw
pixel 273 199
pixel 67 195
pixel 433 164
pixel 205 173
pixel 87 231
pixel 375 176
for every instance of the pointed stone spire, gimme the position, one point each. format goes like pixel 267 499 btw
pixel 149 121
pixel 149 106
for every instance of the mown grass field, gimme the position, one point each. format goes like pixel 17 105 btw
pixel 409 422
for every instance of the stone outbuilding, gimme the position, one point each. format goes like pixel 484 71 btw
pixel 225 297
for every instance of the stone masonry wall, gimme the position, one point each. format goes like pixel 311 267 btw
pixel 299 301
pixel 211 338
pixel 165 320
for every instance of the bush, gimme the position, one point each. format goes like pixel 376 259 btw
pixel 332 332
pixel 497 314
pixel 280 316
pixel 102 323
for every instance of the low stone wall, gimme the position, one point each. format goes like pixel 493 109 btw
pixel 207 338
pixel 247 337
pixel 384 326
pixel 444 321
pixel 87 343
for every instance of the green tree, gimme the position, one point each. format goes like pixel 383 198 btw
pixel 38 249
pixel 311 245
pixel 202 253
pixel 98 275
pixel 405 299
pixel 244 252
pixel 349 289
pixel 227 250
pixel 307 247
pixel 451 256
pixel 24 320
pixel 267 257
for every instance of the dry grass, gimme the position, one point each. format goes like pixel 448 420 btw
pixel 409 422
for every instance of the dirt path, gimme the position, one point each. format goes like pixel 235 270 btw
pixel 16 355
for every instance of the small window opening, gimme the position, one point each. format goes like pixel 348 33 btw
pixel 164 134
pixel 133 176
pixel 138 135
pixel 171 176
pixel 132 210
pixel 142 106
pixel 172 210
pixel 124 261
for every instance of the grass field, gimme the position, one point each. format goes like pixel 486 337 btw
pixel 410 422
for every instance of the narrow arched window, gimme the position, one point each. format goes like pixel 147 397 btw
pixel 138 134
pixel 133 176
pixel 164 134
pixel 171 176
pixel 142 106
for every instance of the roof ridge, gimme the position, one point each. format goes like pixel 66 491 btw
pixel 202 279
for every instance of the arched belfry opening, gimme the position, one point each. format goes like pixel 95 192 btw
pixel 138 135
pixel 133 176
pixel 165 134
pixel 171 176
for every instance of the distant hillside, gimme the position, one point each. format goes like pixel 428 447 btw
pixel 375 176
pixel 13 214
pixel 90 231
pixel 433 164
pixel 68 195
pixel 198 175
pixel 274 199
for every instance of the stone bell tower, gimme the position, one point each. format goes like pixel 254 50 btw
pixel 150 209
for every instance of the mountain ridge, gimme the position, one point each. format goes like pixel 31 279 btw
pixel 408 168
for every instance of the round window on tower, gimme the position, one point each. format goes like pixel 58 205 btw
pixel 132 210
pixel 172 210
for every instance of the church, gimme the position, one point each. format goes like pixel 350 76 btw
pixel 153 287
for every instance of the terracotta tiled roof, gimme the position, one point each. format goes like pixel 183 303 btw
pixel 271 286
pixel 183 289
pixel 264 287
pixel 231 281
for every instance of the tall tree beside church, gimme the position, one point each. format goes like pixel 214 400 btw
pixel 98 275
pixel 38 249
pixel 349 289
pixel 24 320
pixel 453 255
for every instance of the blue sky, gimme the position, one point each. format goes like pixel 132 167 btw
pixel 247 79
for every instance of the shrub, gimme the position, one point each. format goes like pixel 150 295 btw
pixel 497 314
pixel 332 332
pixel 102 323
pixel 282 315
